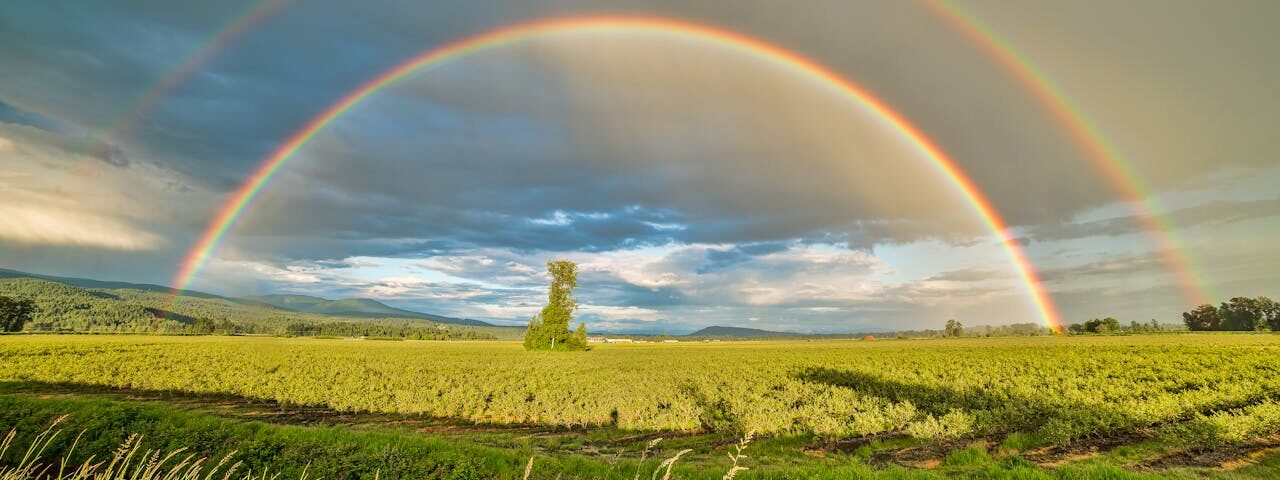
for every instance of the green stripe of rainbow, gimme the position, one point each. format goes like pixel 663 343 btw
pixel 1104 154
pixel 241 199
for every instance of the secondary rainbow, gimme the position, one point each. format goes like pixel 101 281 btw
pixel 1101 151
pixel 240 23
pixel 239 201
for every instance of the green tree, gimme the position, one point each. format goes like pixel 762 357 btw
pixel 204 325
pixel 1202 318
pixel 953 328
pixel 15 312
pixel 549 330
pixel 579 339
pixel 1270 310
pixel 1241 314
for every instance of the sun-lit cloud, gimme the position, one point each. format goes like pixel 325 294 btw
pixel 39 225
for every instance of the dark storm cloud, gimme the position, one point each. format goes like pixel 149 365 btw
pixel 12 114
pixel 1205 215
pixel 265 84
pixel 608 144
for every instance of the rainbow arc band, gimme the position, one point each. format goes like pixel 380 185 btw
pixel 1100 150
pixel 242 198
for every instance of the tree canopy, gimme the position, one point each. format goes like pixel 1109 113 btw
pixel 549 330
pixel 15 312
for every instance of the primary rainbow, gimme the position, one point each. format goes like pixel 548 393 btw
pixel 235 206
pixel 1104 154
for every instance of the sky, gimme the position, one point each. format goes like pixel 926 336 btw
pixel 694 184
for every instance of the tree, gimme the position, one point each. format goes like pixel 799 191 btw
pixel 1241 314
pixel 204 325
pixel 953 328
pixel 549 330
pixel 15 312
pixel 1202 318
pixel 1102 325
pixel 1270 310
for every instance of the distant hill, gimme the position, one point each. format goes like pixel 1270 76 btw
pixel 353 307
pixel 90 283
pixel 717 331
pixel 67 304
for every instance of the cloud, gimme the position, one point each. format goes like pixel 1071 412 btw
pixel 689 180
pixel 967 275
pixel 1212 214
pixel 40 225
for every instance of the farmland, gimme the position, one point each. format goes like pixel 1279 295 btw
pixel 1189 393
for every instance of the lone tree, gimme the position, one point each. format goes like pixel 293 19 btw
pixel 15 312
pixel 953 328
pixel 549 330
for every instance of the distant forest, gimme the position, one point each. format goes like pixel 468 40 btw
pixel 71 309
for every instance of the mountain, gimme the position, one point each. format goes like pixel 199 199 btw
pixel 717 331
pixel 352 307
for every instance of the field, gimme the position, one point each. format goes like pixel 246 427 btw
pixel 1170 405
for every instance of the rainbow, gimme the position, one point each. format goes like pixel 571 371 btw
pixel 119 127
pixel 240 200
pixel 1100 150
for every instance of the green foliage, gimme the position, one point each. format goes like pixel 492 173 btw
pixel 1237 314
pixel 1242 314
pixel 1102 326
pixel 549 330
pixel 1202 318
pixel 15 312
pixel 65 308
pixel 1059 389
pixel 953 329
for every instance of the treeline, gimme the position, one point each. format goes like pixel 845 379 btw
pixel 1240 314
pixel 1110 325
pixel 64 308
pixel 406 330
pixel 954 328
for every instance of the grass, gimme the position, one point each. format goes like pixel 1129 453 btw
pixel 190 441
pixel 1129 407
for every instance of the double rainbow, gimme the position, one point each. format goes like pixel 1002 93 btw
pixel 798 64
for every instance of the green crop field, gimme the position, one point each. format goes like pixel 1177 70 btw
pixel 1159 403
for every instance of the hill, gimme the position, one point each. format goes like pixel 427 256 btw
pixel 82 305
pixel 91 283
pixel 716 331
pixel 354 307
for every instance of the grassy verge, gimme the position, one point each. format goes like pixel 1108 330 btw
pixel 344 452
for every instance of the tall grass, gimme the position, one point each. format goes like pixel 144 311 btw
pixel 131 462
